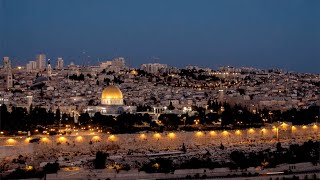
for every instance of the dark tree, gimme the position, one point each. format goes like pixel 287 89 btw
pixel 100 161
pixel 57 116
pixel 171 107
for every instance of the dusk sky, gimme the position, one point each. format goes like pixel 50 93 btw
pixel 207 33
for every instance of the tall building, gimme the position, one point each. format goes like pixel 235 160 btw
pixel 7 67
pixel 41 61
pixel 59 63
pixel 31 66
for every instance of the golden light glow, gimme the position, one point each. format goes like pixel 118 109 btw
pixel 264 131
pixel 79 139
pixel 134 72
pixel 11 141
pixel 27 140
pixel 157 135
pixel 143 136
pixel 251 131
pixel 293 128
pixel 238 132
pixel 45 140
pixel 304 127
pixel 199 134
pixel 315 126
pixel 112 138
pixel 171 135
pixel 212 133
pixel 62 139
pixel 111 92
pixel 96 138
pixel 28 168
pixel 225 133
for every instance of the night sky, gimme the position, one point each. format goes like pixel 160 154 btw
pixel 208 33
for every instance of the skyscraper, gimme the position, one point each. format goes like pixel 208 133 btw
pixel 41 61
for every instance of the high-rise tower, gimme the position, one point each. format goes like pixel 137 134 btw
pixel 7 67
pixel 41 61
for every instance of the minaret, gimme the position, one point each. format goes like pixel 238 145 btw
pixel 49 70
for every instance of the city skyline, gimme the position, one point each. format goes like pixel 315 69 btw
pixel 208 34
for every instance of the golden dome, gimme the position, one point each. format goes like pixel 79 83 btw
pixel 111 92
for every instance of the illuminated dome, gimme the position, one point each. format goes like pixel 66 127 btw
pixel 111 95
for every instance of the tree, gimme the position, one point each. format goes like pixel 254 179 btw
pixel 51 168
pixel 4 116
pixel 58 116
pixel 100 161
pixel 84 118
pixel 171 107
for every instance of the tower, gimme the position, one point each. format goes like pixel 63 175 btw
pixel 7 67
pixel 49 70
pixel 9 79
pixel 41 61
pixel 6 63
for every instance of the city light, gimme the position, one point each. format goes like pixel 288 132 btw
pixel 171 135
pixel 79 139
pixel 251 131
pixel 213 133
pixel 199 134
pixel 62 139
pixel 11 141
pixel 225 133
pixel 27 140
pixel 263 131
pixel 112 138
pixel 157 135
pixel 315 126
pixel 238 132
pixel 45 140
pixel 96 138
pixel 143 136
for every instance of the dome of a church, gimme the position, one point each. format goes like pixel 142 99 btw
pixel 111 95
